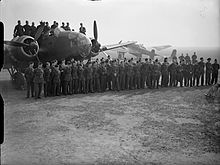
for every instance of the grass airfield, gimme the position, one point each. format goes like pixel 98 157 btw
pixel 160 126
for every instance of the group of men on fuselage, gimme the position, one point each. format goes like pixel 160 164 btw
pixel 73 77
pixel 26 29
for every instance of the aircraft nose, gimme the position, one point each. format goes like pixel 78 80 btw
pixel 84 45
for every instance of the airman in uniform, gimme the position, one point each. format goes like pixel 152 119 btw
pixel 29 76
pixel 196 73
pixel 47 80
pixel 75 79
pixel 122 75
pixel 38 80
pixel 67 79
pixel 194 58
pixel 165 73
pixel 150 74
pixel 187 58
pixel 143 72
pixel 173 73
pixel 18 30
pixel 137 75
pixel 62 67
pixel 179 69
pixel 181 58
pixel 55 78
pixel 185 73
pixel 96 77
pixel 215 68
pixel 115 76
pixel 156 74
pixel 108 78
pixel 201 70
pixel 88 75
pixel 103 75
pixel 81 75
pixel 208 72
pixel 190 71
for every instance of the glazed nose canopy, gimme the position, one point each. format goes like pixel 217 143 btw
pixel 32 49
pixel 84 45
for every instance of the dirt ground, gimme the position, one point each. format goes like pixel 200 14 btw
pixel 165 126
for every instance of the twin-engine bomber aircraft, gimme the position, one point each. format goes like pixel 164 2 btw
pixel 61 45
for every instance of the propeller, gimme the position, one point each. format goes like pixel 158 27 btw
pixel 95 31
pixel 95 44
pixel 14 43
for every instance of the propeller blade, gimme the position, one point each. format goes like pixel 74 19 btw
pixel 14 43
pixel 95 31
pixel 39 32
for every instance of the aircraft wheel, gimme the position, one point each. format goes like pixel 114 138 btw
pixel 18 80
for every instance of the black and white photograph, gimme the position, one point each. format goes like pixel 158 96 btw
pixel 110 82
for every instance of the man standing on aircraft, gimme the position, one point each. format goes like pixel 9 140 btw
pixel 82 29
pixel 29 76
pixel 63 26
pixel 208 72
pixel 46 30
pixel 215 68
pixel 18 30
pixel 201 69
pixel 165 73
pixel 33 30
pixel 47 82
pixel 38 80
pixel 67 27
pixel 27 29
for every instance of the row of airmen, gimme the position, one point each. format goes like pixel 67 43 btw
pixel 26 29
pixel 72 77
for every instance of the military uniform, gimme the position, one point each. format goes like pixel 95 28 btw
pixel 82 84
pixel 165 74
pixel 201 70
pixel 62 67
pixel 29 75
pixel 47 82
pixel 187 59
pixel 190 72
pixel 88 76
pixel 103 74
pixel 185 74
pixel 137 76
pixel 67 80
pixel 196 74
pixel 75 79
pixel 38 81
pixel 156 75
pixel 208 73
pixel 150 75
pixel 179 69
pixel 108 78
pixel 122 76
pixel 55 78
pixel 173 74
pixel 215 68
pixel 143 72
pixel 115 77
pixel 96 78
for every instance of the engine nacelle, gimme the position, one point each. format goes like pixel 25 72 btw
pixel 26 52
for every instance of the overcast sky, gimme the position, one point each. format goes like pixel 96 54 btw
pixel 150 22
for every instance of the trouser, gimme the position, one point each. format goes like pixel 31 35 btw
pixel 122 81
pixel 109 82
pixel 75 86
pixel 197 77
pixel 149 79
pixel 186 79
pixel 30 89
pixel 172 79
pixel 143 81
pixel 127 82
pixel 137 81
pixel 103 83
pixel 56 89
pixel 115 83
pixel 214 77
pixel 47 88
pixel 38 89
pixel 190 80
pixel 67 89
pixel 96 84
pixel 180 79
pixel 82 86
pixel 165 79
pixel 208 78
pixel 202 78
pixel 89 86
pixel 131 82
pixel 155 80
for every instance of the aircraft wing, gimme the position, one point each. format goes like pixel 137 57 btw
pixel 159 48
pixel 120 44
